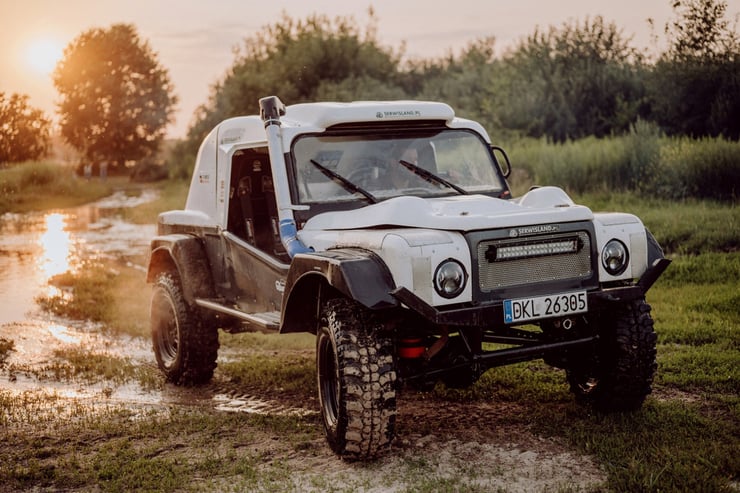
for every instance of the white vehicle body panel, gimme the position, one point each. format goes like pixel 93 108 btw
pixel 457 213
pixel 412 255
pixel 631 232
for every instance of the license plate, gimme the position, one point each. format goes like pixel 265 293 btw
pixel 555 305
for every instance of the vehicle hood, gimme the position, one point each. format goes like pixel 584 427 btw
pixel 458 213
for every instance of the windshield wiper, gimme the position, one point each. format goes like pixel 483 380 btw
pixel 346 184
pixel 431 177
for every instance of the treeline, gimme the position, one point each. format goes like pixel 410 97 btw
pixel 582 79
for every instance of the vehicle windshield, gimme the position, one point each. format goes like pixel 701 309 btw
pixel 333 167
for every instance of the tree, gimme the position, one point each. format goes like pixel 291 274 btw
pixel 116 97
pixel 24 130
pixel 700 32
pixel 695 85
pixel 468 82
pixel 298 60
pixel 573 81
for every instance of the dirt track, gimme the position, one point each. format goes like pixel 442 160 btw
pixel 441 439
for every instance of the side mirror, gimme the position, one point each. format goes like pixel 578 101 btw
pixel 505 165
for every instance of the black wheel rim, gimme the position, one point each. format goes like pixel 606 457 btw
pixel 328 380
pixel 168 335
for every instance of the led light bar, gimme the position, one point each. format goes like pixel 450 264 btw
pixel 513 252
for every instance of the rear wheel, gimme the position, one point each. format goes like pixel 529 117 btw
pixel 185 349
pixel 619 376
pixel 356 380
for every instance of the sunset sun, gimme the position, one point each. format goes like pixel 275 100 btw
pixel 42 55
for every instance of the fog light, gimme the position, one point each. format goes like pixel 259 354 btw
pixel 614 257
pixel 449 278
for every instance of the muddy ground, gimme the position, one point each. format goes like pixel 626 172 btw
pixel 446 439
pixel 450 440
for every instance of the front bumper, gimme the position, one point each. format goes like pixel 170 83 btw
pixel 492 314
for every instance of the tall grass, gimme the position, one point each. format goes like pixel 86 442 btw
pixel 45 185
pixel 702 168
pixel 686 227
pixel 643 160
pixel 92 297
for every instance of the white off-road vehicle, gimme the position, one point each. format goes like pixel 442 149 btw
pixel 388 230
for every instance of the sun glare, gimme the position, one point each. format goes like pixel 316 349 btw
pixel 56 245
pixel 42 55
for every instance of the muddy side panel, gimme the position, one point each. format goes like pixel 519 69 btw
pixel 256 280
pixel 185 254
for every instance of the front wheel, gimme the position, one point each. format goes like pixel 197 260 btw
pixel 619 375
pixel 356 380
pixel 185 349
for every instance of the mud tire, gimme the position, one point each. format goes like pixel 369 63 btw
pixel 185 349
pixel 356 379
pixel 619 376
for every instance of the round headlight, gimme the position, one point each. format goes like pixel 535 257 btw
pixel 614 257
pixel 449 278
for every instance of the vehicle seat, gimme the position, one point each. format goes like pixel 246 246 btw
pixel 256 197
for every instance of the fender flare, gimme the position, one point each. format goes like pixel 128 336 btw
pixel 654 249
pixel 186 255
pixel 357 274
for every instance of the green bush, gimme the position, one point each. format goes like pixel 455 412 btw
pixel 703 168
pixel 38 175
pixel 642 148
pixel 642 161
pixel 580 166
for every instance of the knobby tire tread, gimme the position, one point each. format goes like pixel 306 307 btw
pixel 367 403
pixel 626 360
pixel 198 344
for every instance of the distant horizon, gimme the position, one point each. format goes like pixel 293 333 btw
pixel 195 42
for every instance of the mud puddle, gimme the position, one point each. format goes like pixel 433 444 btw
pixel 34 247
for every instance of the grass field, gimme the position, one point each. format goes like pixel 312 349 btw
pixel 685 438
pixel 42 186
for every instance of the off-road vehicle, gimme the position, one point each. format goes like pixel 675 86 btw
pixel 388 230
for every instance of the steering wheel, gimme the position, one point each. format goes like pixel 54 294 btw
pixel 367 172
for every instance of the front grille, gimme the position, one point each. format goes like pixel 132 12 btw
pixel 533 269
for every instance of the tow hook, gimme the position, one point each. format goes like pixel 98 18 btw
pixel 564 323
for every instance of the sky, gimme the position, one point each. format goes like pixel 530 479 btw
pixel 195 39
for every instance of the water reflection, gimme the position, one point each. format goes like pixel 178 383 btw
pixel 54 257
pixel 21 261
pixel 63 333
pixel 35 247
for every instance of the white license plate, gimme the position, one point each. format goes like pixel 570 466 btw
pixel 555 305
